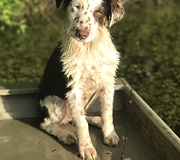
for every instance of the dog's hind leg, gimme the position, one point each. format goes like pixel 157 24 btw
pixel 57 114
pixel 63 135
pixel 94 121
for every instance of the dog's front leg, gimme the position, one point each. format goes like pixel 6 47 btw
pixel 109 133
pixel 86 149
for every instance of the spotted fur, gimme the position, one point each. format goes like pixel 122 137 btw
pixel 81 67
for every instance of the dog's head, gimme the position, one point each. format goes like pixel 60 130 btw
pixel 86 16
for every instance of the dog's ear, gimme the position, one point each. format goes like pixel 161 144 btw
pixel 117 11
pixel 58 3
pixel 64 3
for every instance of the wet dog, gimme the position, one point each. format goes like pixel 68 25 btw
pixel 80 68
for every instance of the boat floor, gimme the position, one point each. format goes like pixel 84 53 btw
pixel 21 139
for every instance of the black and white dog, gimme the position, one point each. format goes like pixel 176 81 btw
pixel 82 66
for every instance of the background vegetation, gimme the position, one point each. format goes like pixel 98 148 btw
pixel 148 38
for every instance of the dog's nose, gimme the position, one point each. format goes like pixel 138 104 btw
pixel 82 34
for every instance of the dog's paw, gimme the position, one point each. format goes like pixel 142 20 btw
pixel 112 139
pixel 67 137
pixel 87 152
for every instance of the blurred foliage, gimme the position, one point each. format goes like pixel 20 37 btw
pixel 12 15
pixel 23 57
pixel 17 14
pixel 148 38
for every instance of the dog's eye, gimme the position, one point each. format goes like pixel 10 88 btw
pixel 77 7
pixel 99 12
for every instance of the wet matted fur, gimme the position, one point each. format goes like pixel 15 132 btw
pixel 81 67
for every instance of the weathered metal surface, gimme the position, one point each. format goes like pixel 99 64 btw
pixel 22 139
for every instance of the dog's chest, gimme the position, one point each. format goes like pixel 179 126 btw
pixel 89 74
pixel 90 65
pixel 89 69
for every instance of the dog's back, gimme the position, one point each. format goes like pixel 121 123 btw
pixel 53 81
